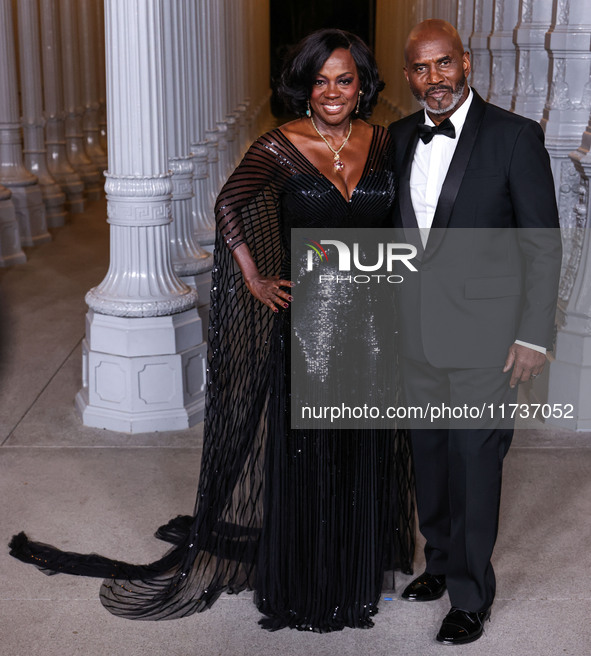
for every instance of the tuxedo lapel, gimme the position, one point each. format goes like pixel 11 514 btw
pixel 459 162
pixel 407 212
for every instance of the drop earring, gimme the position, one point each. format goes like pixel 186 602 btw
pixel 358 102
pixel 309 111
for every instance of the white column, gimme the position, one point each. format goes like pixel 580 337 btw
pixel 261 69
pixel 190 261
pixel 75 141
pixel 198 106
pixel 242 30
pixel 569 379
pixel 220 91
pixel 53 97
pixel 233 81
pixel 531 86
pixel 26 193
pixel 566 117
pixel 10 241
pixel 32 112
pixel 502 51
pixel 568 43
pixel 144 358
pixel 565 114
pixel 465 20
pixel 89 78
pixel 100 53
pixel 210 10
pixel 481 59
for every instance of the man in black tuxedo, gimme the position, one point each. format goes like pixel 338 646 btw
pixel 477 317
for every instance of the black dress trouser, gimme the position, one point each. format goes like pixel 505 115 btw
pixel 458 468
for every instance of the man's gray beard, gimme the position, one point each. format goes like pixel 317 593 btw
pixel 456 96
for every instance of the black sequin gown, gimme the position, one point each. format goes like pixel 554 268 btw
pixel 308 519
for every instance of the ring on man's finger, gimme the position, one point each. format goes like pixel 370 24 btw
pixel 533 376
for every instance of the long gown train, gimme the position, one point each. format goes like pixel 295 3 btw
pixel 309 520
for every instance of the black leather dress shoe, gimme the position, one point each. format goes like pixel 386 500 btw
pixel 426 587
pixel 462 626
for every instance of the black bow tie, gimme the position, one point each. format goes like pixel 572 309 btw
pixel 427 132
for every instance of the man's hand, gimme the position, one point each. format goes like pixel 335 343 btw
pixel 527 363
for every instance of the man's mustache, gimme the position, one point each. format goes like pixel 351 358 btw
pixel 436 89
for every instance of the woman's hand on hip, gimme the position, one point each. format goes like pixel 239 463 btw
pixel 270 291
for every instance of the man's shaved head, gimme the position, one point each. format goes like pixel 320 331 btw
pixel 429 29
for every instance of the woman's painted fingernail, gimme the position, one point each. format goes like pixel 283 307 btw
pixel 290 298
pixel 275 310
pixel 286 305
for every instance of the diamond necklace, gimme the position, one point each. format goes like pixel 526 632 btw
pixel 338 162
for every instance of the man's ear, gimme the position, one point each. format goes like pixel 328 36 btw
pixel 405 73
pixel 466 63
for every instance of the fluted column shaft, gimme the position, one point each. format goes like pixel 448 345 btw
pixel 189 259
pixel 210 51
pixel 565 113
pixel 233 71
pixel 242 135
pixel 199 111
pixel 502 51
pixel 141 281
pixel 32 112
pixel 53 98
pixel 465 20
pixel 531 86
pixel 220 91
pixel 483 22
pixel 75 141
pixel 569 99
pixel 99 21
pixel 89 83
pixel 26 193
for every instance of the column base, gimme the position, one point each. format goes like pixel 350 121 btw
pixel 206 238
pixel 30 214
pixel 11 252
pixel 143 375
pixel 202 283
pixel 55 205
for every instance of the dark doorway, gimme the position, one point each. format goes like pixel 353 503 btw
pixel 291 20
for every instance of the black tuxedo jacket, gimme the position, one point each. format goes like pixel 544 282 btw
pixel 494 277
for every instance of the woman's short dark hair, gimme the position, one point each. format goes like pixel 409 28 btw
pixel 308 57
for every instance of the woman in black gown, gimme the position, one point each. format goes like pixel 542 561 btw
pixel 309 519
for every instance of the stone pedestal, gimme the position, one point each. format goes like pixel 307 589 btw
pixel 10 242
pixel 143 375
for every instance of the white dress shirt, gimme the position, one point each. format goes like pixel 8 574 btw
pixel 429 168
